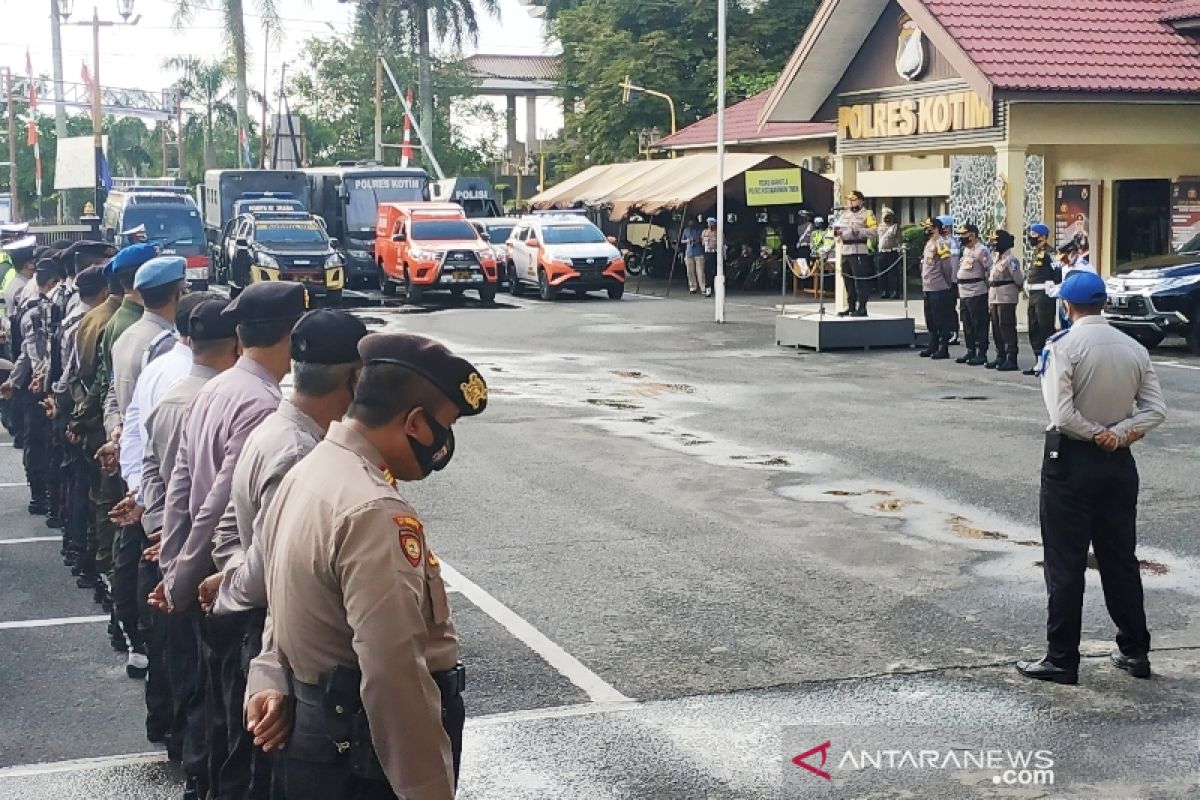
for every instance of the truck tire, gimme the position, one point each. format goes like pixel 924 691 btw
pixel 412 294
pixel 1148 339
pixel 1193 336
pixel 487 295
pixel 514 284
pixel 616 292
pixel 545 290
pixel 386 285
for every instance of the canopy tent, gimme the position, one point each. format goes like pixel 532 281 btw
pixel 650 187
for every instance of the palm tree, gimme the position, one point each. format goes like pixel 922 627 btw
pixel 235 34
pixel 454 21
pixel 207 83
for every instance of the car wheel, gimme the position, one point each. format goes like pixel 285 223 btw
pixel 386 285
pixel 545 290
pixel 412 294
pixel 1193 336
pixel 514 284
pixel 1148 339
pixel 616 292
pixel 487 295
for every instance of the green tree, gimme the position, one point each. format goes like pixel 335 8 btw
pixel 207 83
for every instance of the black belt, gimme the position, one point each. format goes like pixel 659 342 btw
pixel 970 280
pixel 995 284
pixel 450 682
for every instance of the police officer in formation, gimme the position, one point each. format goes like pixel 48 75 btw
pixel 937 282
pixel 975 261
pixel 1040 276
pixel 1005 280
pixel 1103 396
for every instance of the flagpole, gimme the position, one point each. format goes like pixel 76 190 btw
pixel 720 280
pixel 97 119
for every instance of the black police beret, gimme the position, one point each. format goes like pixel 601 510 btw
pixel 209 321
pixel 269 301
pixel 89 249
pixel 456 377
pixel 90 281
pixel 49 268
pixel 325 336
pixel 41 251
pixel 183 312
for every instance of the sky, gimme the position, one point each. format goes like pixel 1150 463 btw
pixel 132 56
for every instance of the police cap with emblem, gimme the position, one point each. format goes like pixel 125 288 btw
pixel 325 336
pixel 456 377
pixel 1083 288
pixel 49 268
pixel 965 228
pixel 21 251
pixel 89 250
pixel 135 230
pixel 90 281
pixel 130 257
pixel 209 322
pixel 269 301
pixel 160 271
pixel 13 230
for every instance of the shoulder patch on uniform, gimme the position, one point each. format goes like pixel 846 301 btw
pixel 410 522
pixel 1058 335
pixel 432 559
pixel 410 543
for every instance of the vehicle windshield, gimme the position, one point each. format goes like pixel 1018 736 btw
pixel 499 233
pixel 366 193
pixel 290 234
pixel 572 234
pixel 443 229
pixel 175 225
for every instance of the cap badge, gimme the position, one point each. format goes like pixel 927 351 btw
pixel 474 391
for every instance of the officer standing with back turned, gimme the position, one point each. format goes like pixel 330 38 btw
pixel 1103 396
pixel 360 619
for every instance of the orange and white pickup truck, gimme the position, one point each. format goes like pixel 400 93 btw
pixel 430 247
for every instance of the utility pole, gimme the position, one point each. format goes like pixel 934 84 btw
pixel 162 127
pixel 179 127
pixel 12 145
pixel 60 111
pixel 379 109
pixel 262 133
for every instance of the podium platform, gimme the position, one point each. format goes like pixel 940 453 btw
pixel 831 332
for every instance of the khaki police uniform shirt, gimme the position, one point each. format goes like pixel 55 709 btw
pixel 973 267
pixel 1096 377
pixel 1005 280
pixel 128 360
pixel 164 427
pixel 352 581
pixel 937 275
pixel 855 229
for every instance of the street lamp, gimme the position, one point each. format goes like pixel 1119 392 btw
pixel 125 9
pixel 719 291
pixel 628 88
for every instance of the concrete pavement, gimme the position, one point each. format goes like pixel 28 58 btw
pixel 671 541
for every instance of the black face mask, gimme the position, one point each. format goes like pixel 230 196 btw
pixel 1033 240
pixel 435 456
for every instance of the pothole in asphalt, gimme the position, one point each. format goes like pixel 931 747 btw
pixel 646 420
pixel 628 373
pixel 655 389
pixel 844 493
pixel 1147 567
pixel 619 405
pixel 773 461
pixel 964 397
pixel 889 505
pixel 959 525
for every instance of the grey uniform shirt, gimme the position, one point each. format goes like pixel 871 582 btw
pixel 129 353
pixel 1095 377
pixel 973 267
pixel 242 545
pixel 164 425
pixel 937 275
pixel 1005 280
pixel 34 357
pixel 68 351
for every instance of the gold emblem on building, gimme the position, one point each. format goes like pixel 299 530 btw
pixel 910 50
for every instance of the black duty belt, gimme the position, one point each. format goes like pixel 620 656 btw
pixel 450 682
pixel 996 284
pixel 970 280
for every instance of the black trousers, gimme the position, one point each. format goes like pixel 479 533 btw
pixel 974 314
pixel 1042 316
pixel 856 272
pixel 152 626
pixel 187 695
pixel 55 476
pixel 36 438
pixel 890 270
pixel 710 269
pixel 940 318
pixel 76 506
pixel 130 543
pixel 307 771
pixel 1089 497
pixel 1004 327
pixel 231 748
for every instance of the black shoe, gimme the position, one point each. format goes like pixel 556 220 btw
pixel 53 521
pixel 190 792
pixel 1137 666
pixel 38 508
pixel 928 351
pixel 965 357
pixel 940 354
pixel 1045 671
pixel 1009 364
pixel 845 313
pixel 106 603
pixel 992 364
pixel 862 312
pixel 1030 371
pixel 979 359
pixel 87 581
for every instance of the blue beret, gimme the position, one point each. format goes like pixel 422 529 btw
pixel 1040 228
pixel 130 257
pixel 1083 287
pixel 160 271
pixel 946 220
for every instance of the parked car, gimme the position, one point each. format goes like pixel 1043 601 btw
pixel 563 251
pixel 495 231
pixel 427 247
pixel 172 221
pixel 283 246
pixel 1156 297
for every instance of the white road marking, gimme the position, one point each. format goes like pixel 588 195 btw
pixel 77 764
pixel 1176 364
pixel 567 665
pixel 13 485
pixel 50 623
pixel 31 539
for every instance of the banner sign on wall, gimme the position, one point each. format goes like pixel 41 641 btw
pixel 1076 213
pixel 773 187
pixel 1185 211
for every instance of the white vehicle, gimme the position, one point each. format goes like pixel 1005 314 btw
pixel 562 251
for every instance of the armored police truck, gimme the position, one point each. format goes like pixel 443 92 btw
pixel 347 197
pixel 171 221
pixel 475 195
pixel 223 187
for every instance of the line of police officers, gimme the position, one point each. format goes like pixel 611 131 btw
pixel 264 575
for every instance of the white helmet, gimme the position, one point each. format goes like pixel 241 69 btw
pixel 818 220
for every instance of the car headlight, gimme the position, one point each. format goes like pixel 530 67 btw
pixel 333 260
pixel 265 260
pixel 358 253
pixel 422 255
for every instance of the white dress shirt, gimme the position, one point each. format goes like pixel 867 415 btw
pixel 159 375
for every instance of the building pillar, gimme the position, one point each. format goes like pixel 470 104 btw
pixel 1010 175
pixel 510 126
pixel 845 180
pixel 531 135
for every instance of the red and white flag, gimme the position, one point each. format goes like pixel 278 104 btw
pixel 87 76
pixel 406 150
pixel 33 131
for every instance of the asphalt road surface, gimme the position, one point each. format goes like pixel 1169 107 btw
pixel 682 557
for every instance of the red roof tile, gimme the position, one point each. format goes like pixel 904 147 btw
pixel 1074 45
pixel 741 125
pixel 1181 9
